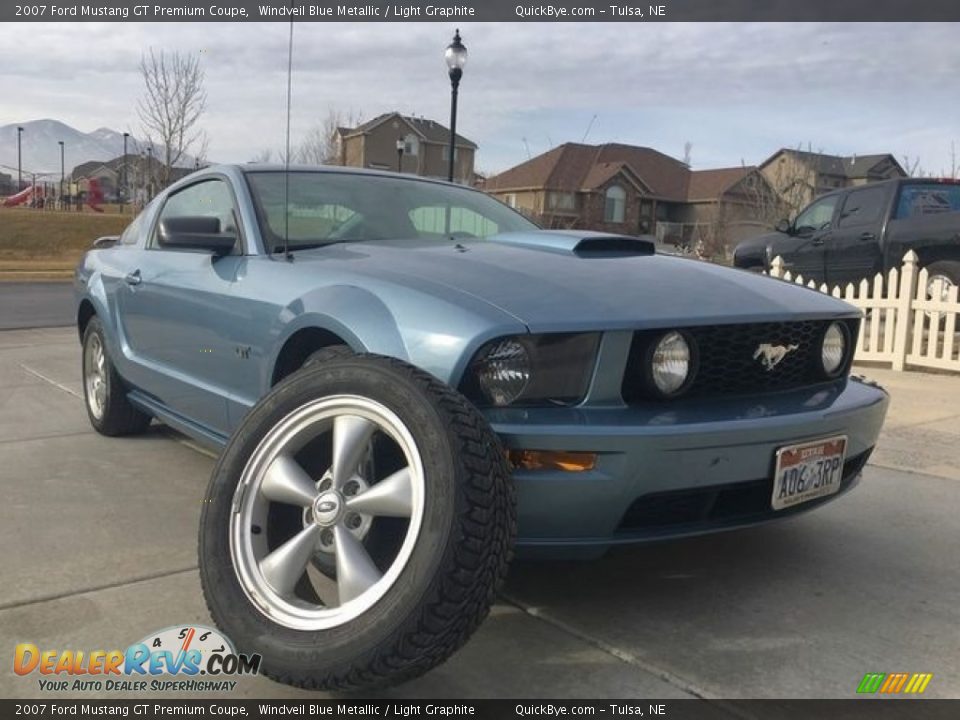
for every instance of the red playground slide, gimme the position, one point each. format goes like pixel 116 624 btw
pixel 20 198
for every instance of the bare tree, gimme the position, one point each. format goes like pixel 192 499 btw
pixel 263 156
pixel 320 146
pixel 912 167
pixel 171 106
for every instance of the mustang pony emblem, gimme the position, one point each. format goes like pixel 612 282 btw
pixel 771 355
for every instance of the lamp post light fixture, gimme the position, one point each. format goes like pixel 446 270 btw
pixel 400 146
pixel 124 184
pixel 456 57
pixel 19 161
pixel 62 169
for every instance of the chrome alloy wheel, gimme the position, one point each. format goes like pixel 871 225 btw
pixel 95 375
pixel 944 282
pixel 335 512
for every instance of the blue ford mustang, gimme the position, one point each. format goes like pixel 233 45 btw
pixel 408 378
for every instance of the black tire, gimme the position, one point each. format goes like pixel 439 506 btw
pixel 450 579
pixel 116 416
pixel 333 352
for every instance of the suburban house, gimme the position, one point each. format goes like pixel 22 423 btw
pixel 426 147
pixel 799 176
pixel 637 190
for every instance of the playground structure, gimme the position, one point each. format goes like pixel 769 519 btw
pixel 43 195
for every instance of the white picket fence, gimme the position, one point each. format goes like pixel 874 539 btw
pixel 902 326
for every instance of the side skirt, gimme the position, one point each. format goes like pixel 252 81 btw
pixel 200 433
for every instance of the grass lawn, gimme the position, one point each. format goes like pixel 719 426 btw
pixel 41 244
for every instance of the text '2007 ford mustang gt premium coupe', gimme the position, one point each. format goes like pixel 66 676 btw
pixel 408 379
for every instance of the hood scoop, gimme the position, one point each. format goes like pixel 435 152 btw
pixel 583 244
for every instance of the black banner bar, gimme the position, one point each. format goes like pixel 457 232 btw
pixel 479 10
pixel 854 709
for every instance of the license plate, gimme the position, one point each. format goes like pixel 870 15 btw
pixel 808 471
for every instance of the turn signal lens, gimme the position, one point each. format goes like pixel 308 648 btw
pixel 551 460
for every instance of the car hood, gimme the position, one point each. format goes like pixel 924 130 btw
pixel 554 281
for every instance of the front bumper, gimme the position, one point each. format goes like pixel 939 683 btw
pixel 675 469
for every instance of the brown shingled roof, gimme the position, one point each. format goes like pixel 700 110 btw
pixel 711 184
pixel 429 130
pixel 572 167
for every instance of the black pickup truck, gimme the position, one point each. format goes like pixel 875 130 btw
pixel 851 234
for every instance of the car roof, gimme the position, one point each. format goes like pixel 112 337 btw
pixel 339 169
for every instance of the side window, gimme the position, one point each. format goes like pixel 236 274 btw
pixel 928 199
pixel 817 216
pixel 210 198
pixel 862 207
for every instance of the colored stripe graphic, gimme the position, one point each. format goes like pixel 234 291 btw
pixel 871 682
pixel 893 683
pixel 918 683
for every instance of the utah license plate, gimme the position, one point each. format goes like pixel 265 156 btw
pixel 808 471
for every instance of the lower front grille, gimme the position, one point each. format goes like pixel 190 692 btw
pixel 729 359
pixel 717 505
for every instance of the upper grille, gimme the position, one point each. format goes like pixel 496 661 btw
pixel 727 366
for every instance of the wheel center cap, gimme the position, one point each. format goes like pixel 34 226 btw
pixel 327 508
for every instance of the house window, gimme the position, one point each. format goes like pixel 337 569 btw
pixel 616 200
pixel 410 145
pixel 446 153
pixel 511 199
pixel 562 201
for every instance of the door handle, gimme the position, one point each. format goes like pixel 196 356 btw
pixel 867 236
pixel 818 241
pixel 133 278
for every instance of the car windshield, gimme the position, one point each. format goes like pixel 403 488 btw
pixel 336 207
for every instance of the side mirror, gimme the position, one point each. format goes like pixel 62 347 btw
pixel 783 226
pixel 195 233
pixel 106 241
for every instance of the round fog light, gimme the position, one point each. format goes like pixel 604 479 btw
pixel 834 349
pixel 670 363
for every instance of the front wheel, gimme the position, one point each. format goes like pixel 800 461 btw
pixel 358 525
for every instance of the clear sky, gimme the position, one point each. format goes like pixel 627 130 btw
pixel 736 92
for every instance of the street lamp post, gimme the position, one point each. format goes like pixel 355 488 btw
pixel 124 186
pixel 19 161
pixel 456 57
pixel 62 168
pixel 400 145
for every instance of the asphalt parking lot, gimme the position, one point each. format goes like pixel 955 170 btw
pixel 100 549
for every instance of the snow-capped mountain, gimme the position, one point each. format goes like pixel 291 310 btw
pixel 41 149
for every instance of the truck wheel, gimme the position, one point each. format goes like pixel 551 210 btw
pixel 393 474
pixel 945 271
pixel 105 397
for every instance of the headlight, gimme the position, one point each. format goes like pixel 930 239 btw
pixel 670 364
pixel 503 371
pixel 551 369
pixel 833 352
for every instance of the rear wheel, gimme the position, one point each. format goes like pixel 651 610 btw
pixel 357 526
pixel 104 395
